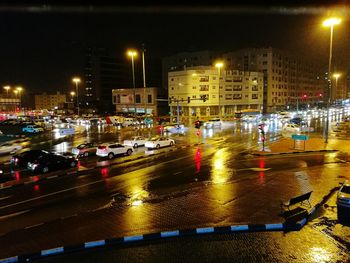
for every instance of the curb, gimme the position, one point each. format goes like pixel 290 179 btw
pixel 295 152
pixel 152 236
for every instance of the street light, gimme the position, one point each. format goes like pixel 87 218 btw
pixel 219 65
pixel 20 96
pixel 76 81
pixel 331 22
pixel 72 94
pixel 144 77
pixel 336 76
pixel 7 89
pixel 132 54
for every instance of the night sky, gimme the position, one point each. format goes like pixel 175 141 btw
pixel 42 50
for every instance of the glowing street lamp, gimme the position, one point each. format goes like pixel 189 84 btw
pixel 19 89
pixel 7 89
pixel 132 54
pixel 330 22
pixel 219 65
pixel 77 81
pixel 72 93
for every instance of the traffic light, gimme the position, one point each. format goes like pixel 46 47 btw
pixel 197 124
pixel 188 99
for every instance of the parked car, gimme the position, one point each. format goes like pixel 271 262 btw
pixel 158 142
pixel 85 149
pixel 343 197
pixel 22 159
pixel 212 123
pixel 9 148
pixel 130 122
pixel 32 129
pixel 52 162
pixel 111 150
pixel 135 141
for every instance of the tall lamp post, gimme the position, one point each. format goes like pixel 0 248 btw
pixel 219 65
pixel 144 77
pixel 20 96
pixel 336 76
pixel 7 89
pixel 77 81
pixel 132 54
pixel 331 22
pixel 72 93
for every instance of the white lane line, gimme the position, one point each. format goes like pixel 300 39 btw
pixel 32 226
pixel 14 214
pixel 5 197
pixel 178 173
pixel 53 176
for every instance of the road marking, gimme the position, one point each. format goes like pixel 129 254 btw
pixel 5 197
pixel 53 176
pixel 14 214
pixel 178 173
pixel 28 227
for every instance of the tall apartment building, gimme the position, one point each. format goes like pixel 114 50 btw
pixel 286 78
pixel 49 101
pixel 231 92
pixel 103 73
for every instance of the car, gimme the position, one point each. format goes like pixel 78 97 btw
pixel 291 128
pixel 51 162
pixel 174 128
pixel 130 122
pixel 135 141
pixel 85 149
pixel 9 148
pixel 158 142
pixel 212 123
pixel 343 196
pixel 33 129
pixel 113 149
pixel 22 159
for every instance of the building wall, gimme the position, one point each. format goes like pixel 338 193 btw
pixel 286 77
pixel 238 91
pixel 8 103
pixel 49 101
pixel 124 101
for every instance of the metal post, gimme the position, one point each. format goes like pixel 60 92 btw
pixel 144 77
pixel 219 94
pixel 178 113
pixel 76 87
pixel 330 83
pixel 133 83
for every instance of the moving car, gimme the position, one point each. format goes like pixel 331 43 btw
pixel 213 123
pixel 111 150
pixel 135 141
pixel 157 142
pixel 9 148
pixel 52 162
pixel 22 159
pixel 33 129
pixel 289 129
pixel 85 149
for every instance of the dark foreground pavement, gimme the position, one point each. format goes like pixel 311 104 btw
pixel 307 245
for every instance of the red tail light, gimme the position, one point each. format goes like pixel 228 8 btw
pixel 103 148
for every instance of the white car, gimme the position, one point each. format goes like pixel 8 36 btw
pixel 213 123
pixel 135 141
pixel 33 129
pixel 291 128
pixel 85 149
pixel 9 148
pixel 158 142
pixel 111 150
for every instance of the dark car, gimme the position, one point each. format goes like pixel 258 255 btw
pixel 52 162
pixel 297 120
pixel 22 159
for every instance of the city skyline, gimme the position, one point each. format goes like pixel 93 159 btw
pixel 42 51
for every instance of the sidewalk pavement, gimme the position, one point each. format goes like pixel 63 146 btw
pixel 314 144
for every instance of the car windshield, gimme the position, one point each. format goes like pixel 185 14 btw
pixel 346 189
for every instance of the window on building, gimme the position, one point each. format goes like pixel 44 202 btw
pixel 149 98
pixel 237 96
pixel 254 96
pixel 204 87
pixel 138 98
pixel 193 87
pixel 237 87
pixel 254 88
pixel 204 79
pixel 228 97
pixel 117 98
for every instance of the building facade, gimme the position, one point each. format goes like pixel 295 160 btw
pixel 288 81
pixel 145 100
pixel 9 103
pixel 205 92
pixel 46 101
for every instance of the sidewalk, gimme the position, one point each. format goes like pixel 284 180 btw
pixel 313 144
